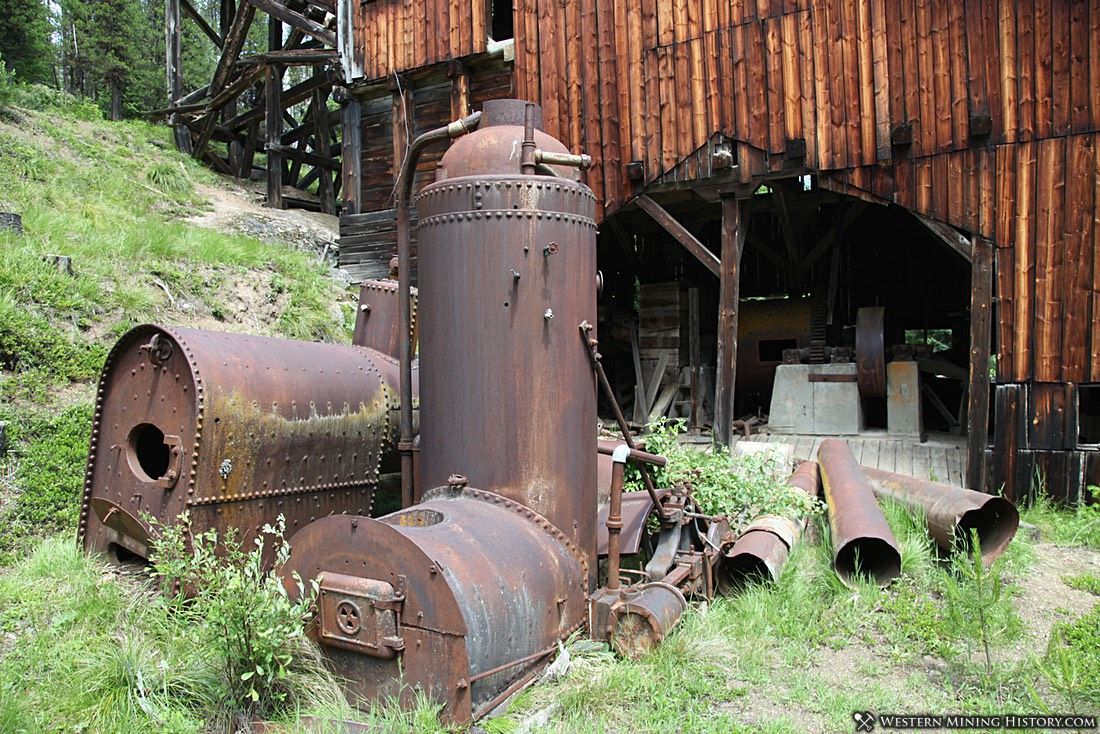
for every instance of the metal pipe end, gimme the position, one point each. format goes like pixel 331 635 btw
pixel 995 523
pixel 867 558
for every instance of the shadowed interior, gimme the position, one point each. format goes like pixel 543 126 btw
pixel 995 522
pixel 869 557
pixel 148 454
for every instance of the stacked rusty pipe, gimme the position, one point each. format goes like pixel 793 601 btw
pixel 764 545
pixel 863 544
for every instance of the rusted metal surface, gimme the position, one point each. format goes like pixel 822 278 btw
pixel 508 397
pixel 764 545
pixel 952 513
pixel 236 430
pixel 644 617
pixel 871 352
pixel 863 544
pixel 376 320
pixel 486 584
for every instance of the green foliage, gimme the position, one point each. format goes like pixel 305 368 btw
pixel 170 178
pixel 1089 582
pixel 740 487
pixel 1072 663
pixel 25 42
pixel 241 613
pixel 48 475
pixel 1079 526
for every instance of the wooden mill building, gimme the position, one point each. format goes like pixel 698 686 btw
pixel 936 158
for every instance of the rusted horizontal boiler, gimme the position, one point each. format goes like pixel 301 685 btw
pixel 863 544
pixel 763 547
pixel 234 429
pixel 462 597
pixel 952 513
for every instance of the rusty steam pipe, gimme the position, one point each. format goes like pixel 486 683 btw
pixel 615 514
pixel 863 544
pixel 952 512
pixel 455 129
pixel 763 547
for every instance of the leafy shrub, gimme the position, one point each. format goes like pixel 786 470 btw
pixel 739 487
pixel 7 84
pixel 240 611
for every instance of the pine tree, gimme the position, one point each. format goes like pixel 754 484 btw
pixel 25 40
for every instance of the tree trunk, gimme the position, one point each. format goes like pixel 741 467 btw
pixel 116 99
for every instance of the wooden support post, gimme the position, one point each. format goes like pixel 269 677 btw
pixel 351 170
pixel 322 148
pixel 400 121
pixel 201 23
pixel 460 89
pixel 693 354
pixel 680 233
pixel 299 22
pixel 236 147
pixel 274 123
pixel 174 68
pixel 734 226
pixel 981 326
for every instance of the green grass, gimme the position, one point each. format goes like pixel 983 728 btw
pixel 1080 526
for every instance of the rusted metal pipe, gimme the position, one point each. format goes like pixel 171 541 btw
pixel 628 439
pixel 952 512
pixel 615 514
pixel 404 310
pixel 863 544
pixel 636 455
pixel 764 545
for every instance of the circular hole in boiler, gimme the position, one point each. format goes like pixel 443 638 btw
pixel 147 452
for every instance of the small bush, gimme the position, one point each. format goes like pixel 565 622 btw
pixel 741 487
pixel 1072 665
pixel 240 611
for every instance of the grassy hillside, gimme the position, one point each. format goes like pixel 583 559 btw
pixel 112 197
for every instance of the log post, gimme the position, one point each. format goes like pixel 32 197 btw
pixel 351 187
pixel 981 325
pixel 274 123
pixel 734 227
pixel 174 68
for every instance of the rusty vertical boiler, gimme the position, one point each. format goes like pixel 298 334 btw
pixel 507 274
pixel 465 594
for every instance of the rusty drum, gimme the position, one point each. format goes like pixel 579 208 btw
pixel 234 429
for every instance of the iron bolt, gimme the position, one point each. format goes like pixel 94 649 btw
pixel 225 468
pixel 515 275
pixel 548 314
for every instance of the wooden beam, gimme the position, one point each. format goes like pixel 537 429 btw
pixel 680 233
pixel 311 28
pixel 292 57
pixel 234 42
pixel 303 156
pixel 201 23
pixel 950 236
pixel 174 71
pixel 321 148
pixel 790 240
pixel 823 245
pixel 693 355
pixel 274 130
pixel 351 171
pixel 981 327
pixel 400 123
pixel 460 89
pixel 290 97
pixel 766 250
pixel 734 227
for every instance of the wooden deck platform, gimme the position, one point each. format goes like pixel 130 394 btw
pixel 941 458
